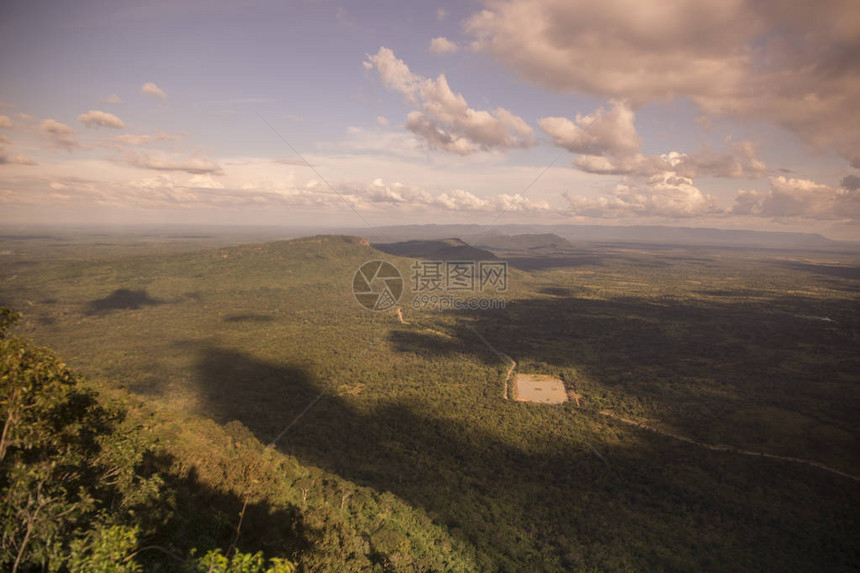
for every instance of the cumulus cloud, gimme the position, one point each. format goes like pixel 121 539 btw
pixel 149 88
pixel 60 134
pixel 380 192
pixel 113 98
pixel 96 118
pixel 442 45
pixel 443 119
pixel 429 130
pixel 406 196
pixel 742 162
pixel 607 143
pixel 394 74
pixel 793 65
pixel 157 162
pixel 604 132
pixel 5 121
pixel 799 198
pixel 381 120
pixel 662 195
pixel 460 200
pixel 640 50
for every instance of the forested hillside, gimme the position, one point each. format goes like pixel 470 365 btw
pixel 94 483
pixel 395 449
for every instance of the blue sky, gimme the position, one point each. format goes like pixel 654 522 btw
pixel 727 114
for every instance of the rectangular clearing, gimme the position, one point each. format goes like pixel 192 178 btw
pixel 539 388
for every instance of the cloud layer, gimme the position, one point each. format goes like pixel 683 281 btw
pixel 795 64
pixel 159 162
pixel 800 198
pixel 664 195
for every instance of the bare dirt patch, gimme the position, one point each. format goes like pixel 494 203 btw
pixel 539 388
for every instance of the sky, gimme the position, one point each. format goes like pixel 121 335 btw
pixel 735 114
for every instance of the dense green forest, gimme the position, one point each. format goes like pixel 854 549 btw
pixel 409 458
pixel 92 483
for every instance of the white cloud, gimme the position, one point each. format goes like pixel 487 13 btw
pixel 604 132
pixel 793 64
pixel 608 144
pixel 662 195
pixel 113 98
pixel 743 161
pixel 176 183
pixel 430 131
pixel 394 74
pixel 149 88
pixel 799 198
pixel 381 120
pixel 96 118
pixel 194 165
pixel 441 14
pixel 380 192
pixel 443 118
pixel 5 122
pixel 60 134
pixel 442 45
pixel 382 195
pixel 460 200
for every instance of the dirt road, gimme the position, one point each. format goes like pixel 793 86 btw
pixel 504 357
pixel 724 448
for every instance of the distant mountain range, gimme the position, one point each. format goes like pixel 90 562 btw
pixel 497 237
pixel 530 242
pixel 520 237
pixel 438 250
